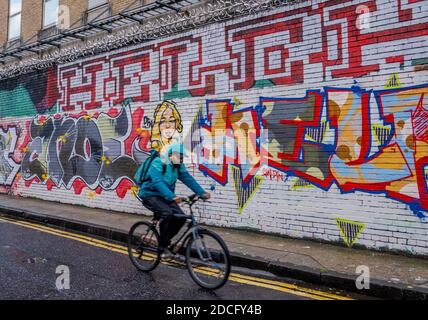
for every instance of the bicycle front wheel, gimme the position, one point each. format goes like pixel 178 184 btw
pixel 208 259
pixel 143 243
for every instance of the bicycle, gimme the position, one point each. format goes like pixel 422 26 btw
pixel 206 254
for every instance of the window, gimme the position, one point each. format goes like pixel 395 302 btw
pixel 97 10
pixel 15 8
pixel 95 3
pixel 50 13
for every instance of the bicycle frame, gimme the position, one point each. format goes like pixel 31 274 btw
pixel 192 226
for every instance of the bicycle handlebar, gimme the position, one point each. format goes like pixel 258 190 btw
pixel 192 199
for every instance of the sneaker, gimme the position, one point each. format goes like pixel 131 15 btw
pixel 167 255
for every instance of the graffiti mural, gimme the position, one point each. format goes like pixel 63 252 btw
pixel 365 140
pixel 319 44
pixel 230 137
pixel 349 230
pixel 371 141
pixel 100 152
pixel 35 93
pixel 244 192
pixel 167 126
pixel 288 123
pixel 8 166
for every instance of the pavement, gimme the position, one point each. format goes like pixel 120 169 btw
pixel 32 260
pixel 392 276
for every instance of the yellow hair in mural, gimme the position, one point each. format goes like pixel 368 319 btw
pixel 167 123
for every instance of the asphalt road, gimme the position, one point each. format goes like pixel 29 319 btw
pixel 30 255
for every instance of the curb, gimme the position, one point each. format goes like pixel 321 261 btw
pixel 378 288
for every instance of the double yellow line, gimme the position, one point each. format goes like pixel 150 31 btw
pixel 234 277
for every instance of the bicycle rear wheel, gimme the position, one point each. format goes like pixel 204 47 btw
pixel 143 243
pixel 208 260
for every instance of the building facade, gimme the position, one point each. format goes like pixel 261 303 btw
pixel 305 118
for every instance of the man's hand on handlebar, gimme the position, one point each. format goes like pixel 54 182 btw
pixel 206 196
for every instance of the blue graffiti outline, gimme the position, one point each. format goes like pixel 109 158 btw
pixel 205 122
pixel 414 205
pixel 291 172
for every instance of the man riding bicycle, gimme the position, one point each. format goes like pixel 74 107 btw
pixel 157 192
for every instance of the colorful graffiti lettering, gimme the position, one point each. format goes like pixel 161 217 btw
pixel 287 122
pixel 325 38
pixel 230 137
pixel 101 152
pixel 372 141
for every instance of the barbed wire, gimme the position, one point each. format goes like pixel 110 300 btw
pixel 211 12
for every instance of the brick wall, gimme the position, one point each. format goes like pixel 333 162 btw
pixel 4 11
pixel 76 9
pixel 31 19
pixel 308 121
pixel 120 5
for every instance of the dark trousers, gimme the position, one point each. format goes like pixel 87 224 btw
pixel 165 210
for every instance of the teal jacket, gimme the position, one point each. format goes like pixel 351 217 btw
pixel 164 185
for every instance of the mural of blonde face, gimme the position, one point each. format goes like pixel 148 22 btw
pixel 167 126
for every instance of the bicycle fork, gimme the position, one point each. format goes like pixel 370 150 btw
pixel 201 243
pixel 143 238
